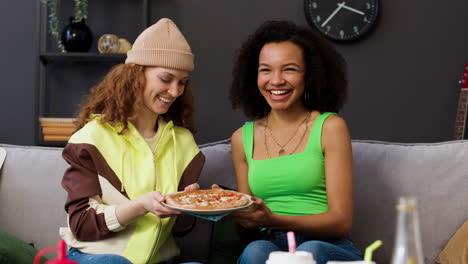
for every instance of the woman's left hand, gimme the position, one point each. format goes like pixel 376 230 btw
pixel 257 215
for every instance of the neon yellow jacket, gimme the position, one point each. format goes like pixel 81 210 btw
pixel 107 169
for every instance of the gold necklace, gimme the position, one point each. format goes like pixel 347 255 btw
pixel 302 137
pixel 282 152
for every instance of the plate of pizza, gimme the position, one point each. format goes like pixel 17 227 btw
pixel 208 202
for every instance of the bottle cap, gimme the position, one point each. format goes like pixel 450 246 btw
pixel 406 203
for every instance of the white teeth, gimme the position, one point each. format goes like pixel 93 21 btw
pixel 278 92
pixel 164 99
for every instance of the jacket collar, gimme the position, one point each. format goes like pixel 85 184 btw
pixel 136 139
pixel 165 130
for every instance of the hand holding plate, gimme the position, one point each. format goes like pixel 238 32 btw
pixel 152 202
pixel 258 215
pixel 192 187
pixel 216 186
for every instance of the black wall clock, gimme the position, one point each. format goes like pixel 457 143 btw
pixel 341 20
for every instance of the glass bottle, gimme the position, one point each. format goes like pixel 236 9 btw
pixel 407 248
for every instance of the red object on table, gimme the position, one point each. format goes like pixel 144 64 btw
pixel 61 255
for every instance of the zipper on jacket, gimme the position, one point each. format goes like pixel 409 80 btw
pixel 163 131
pixel 158 236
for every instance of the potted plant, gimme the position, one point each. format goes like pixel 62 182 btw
pixel 80 14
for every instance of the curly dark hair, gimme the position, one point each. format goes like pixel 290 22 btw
pixel 325 76
pixel 119 96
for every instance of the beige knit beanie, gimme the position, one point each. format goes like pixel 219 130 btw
pixel 162 44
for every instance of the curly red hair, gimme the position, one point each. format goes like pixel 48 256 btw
pixel 119 96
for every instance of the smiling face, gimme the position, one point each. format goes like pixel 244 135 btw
pixel 163 86
pixel 281 72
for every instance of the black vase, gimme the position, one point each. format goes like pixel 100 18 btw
pixel 77 37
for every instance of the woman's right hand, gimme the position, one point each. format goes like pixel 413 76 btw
pixel 152 202
pixel 215 186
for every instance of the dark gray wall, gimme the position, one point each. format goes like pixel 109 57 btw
pixel 18 66
pixel 403 78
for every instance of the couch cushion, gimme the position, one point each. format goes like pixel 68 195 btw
pixel 436 174
pixel 218 166
pixel 32 200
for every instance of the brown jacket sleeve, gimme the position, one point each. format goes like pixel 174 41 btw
pixel 81 182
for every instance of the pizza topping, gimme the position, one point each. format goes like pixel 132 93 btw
pixel 208 199
pixel 226 198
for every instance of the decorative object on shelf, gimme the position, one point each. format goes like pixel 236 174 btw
pixel 124 46
pixel 342 21
pixel 57 129
pixel 76 36
pixel 80 13
pixel 54 24
pixel 110 43
pixel 81 10
pixel 462 110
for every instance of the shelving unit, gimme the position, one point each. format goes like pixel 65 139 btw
pixel 52 61
pixel 78 57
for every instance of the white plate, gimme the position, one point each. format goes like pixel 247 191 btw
pixel 211 212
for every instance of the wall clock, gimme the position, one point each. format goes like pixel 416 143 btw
pixel 340 20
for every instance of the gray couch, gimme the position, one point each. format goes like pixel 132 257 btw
pixel 31 198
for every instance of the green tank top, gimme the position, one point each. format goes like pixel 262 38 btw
pixel 292 184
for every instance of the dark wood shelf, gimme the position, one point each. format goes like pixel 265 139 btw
pixel 53 67
pixel 81 57
pixel 57 144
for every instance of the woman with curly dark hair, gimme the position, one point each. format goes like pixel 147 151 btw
pixel 296 157
pixel 134 145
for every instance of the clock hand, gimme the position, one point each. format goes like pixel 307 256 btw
pixel 354 10
pixel 340 5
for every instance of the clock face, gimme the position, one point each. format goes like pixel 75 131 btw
pixel 342 20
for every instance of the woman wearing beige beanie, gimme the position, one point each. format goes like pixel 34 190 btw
pixel 134 146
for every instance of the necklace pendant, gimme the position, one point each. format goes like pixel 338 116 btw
pixel 281 152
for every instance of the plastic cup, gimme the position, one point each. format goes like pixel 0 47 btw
pixel 282 257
